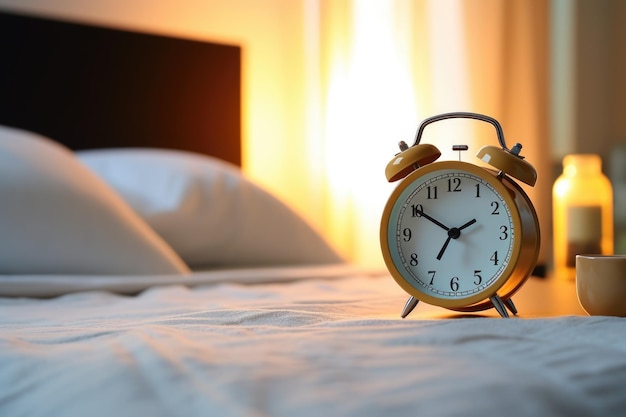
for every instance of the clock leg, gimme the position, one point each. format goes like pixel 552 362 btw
pixel 499 305
pixel 409 306
pixel 511 306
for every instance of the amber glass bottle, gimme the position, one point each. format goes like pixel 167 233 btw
pixel 582 204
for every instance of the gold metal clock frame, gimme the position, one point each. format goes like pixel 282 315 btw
pixel 419 159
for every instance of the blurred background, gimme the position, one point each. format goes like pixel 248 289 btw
pixel 331 86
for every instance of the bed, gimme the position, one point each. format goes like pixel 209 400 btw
pixel 135 280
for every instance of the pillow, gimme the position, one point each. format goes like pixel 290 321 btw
pixel 57 217
pixel 207 210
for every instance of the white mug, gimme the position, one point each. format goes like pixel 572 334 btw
pixel 601 284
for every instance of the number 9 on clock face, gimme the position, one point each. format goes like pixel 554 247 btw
pixel 451 234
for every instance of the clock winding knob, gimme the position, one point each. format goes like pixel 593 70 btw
pixel 509 162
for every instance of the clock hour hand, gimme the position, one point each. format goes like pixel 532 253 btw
pixel 471 222
pixel 453 233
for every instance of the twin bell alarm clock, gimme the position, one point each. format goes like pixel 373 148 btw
pixel 458 235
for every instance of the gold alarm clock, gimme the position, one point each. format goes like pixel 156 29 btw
pixel 459 235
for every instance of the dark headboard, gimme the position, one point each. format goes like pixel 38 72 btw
pixel 94 87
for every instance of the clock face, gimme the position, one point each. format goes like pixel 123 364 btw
pixel 451 233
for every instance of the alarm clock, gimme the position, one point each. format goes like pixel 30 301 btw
pixel 459 235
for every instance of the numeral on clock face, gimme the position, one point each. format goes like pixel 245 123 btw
pixel 454 185
pixel 417 210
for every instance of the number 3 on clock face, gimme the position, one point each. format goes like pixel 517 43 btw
pixel 450 234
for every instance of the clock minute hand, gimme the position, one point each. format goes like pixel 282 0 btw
pixel 437 222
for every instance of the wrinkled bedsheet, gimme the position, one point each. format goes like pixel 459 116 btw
pixel 315 347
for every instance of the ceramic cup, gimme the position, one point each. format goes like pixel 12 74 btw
pixel 601 284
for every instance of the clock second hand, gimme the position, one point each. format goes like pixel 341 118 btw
pixel 444 247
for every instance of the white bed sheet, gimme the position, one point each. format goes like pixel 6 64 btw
pixel 314 347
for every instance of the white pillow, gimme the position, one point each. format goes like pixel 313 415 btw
pixel 57 217
pixel 207 210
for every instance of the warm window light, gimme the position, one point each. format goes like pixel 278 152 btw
pixel 369 70
pixel 372 101
pixel 370 107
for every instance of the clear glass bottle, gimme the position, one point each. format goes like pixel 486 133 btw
pixel 582 212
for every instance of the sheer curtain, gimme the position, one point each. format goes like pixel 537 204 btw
pixel 377 68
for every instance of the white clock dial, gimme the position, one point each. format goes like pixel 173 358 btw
pixel 451 234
